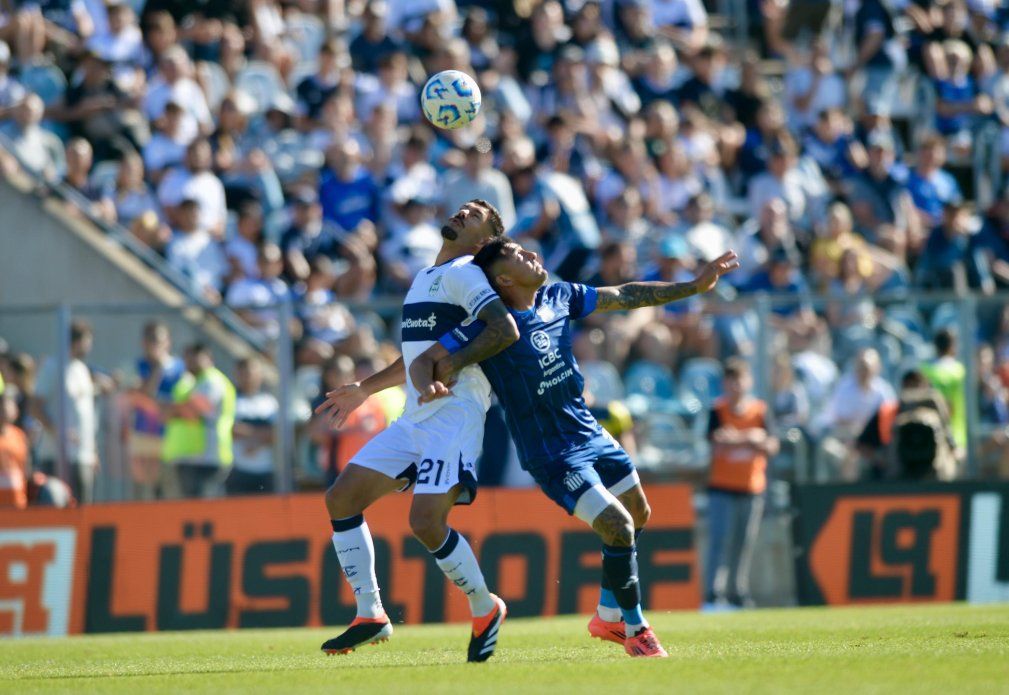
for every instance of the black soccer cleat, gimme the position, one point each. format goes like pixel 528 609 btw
pixel 361 632
pixel 485 629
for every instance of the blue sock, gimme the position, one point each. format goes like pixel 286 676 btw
pixel 633 617
pixel 607 599
pixel 621 569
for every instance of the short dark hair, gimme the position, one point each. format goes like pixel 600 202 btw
pixel 23 364
pixel 609 249
pixel 250 208
pixel 198 142
pixel 782 144
pixel 493 216
pixel 945 339
pixel 491 252
pixel 79 329
pixel 151 328
pixel 332 46
pixel 736 367
pixel 420 138
pixel 557 121
pixel 199 348
pixel 913 379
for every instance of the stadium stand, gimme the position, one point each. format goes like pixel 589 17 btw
pixel 854 157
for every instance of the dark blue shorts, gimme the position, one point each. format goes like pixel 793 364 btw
pixel 600 462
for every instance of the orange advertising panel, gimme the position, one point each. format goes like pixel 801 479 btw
pixel 894 548
pixel 268 562
pixel 879 545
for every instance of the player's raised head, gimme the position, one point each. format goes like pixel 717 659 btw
pixel 476 222
pixel 506 264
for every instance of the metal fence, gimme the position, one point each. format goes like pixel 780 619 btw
pixel 670 422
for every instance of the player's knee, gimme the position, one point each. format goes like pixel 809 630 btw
pixel 622 534
pixel 637 504
pixel 615 527
pixel 339 504
pixel 641 514
pixel 428 527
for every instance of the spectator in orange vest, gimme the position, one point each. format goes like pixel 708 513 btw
pixel 337 446
pixel 13 457
pixel 740 447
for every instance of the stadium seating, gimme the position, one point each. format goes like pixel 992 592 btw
pixel 570 107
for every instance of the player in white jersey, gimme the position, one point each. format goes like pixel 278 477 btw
pixel 433 447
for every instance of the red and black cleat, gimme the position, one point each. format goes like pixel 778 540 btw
pixel 361 632
pixel 485 631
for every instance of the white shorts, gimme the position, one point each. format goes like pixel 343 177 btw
pixel 434 455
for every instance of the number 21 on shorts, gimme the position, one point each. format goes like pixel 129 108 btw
pixel 424 472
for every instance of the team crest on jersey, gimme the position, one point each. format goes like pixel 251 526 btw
pixel 540 340
pixel 435 286
pixel 573 480
pixel 545 313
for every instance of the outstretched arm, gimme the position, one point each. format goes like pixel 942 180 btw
pixel 634 295
pixel 500 332
pixel 343 401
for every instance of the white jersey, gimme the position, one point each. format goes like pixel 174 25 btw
pixel 440 298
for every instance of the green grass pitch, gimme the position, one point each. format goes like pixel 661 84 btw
pixel 941 649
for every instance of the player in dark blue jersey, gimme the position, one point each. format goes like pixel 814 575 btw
pixel 575 462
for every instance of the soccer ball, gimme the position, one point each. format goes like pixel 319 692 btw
pixel 450 99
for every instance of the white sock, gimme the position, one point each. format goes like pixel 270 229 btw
pixel 356 553
pixel 631 630
pixel 610 615
pixel 457 561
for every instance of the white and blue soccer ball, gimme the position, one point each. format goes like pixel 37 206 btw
pixel 450 99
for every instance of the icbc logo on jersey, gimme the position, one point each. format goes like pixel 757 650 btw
pixel 36 580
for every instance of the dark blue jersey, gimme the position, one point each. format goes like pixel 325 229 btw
pixel 537 378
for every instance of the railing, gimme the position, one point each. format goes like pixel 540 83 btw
pixel 671 430
pixel 43 188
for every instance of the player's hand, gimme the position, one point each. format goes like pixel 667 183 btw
pixel 340 403
pixel 708 277
pixel 443 373
pixel 433 392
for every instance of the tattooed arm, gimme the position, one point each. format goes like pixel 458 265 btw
pixel 634 295
pixel 499 333
pixel 433 371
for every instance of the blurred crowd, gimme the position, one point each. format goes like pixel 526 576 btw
pixel 173 423
pixel 273 151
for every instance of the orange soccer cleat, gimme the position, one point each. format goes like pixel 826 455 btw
pixel 485 630
pixel 604 630
pixel 644 643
